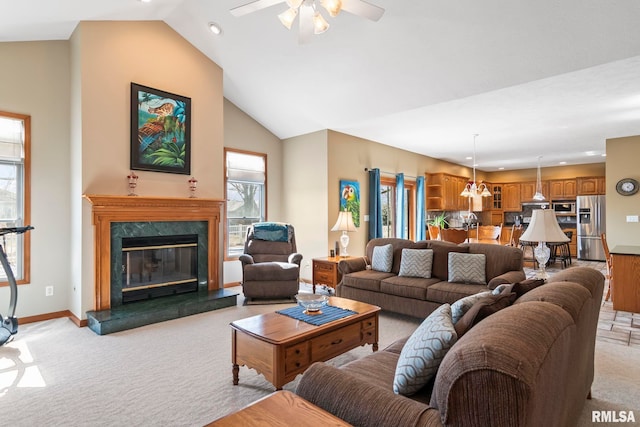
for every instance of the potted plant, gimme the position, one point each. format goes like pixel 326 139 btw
pixel 439 220
pixel 435 224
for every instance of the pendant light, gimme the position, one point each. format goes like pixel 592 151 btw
pixel 538 197
pixel 472 188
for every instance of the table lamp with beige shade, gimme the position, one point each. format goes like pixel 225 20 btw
pixel 543 228
pixel 346 225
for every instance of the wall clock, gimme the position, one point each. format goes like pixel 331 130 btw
pixel 627 186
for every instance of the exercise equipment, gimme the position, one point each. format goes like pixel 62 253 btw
pixel 9 325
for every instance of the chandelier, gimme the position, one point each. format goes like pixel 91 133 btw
pixel 472 189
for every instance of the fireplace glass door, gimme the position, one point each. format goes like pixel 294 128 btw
pixel 159 266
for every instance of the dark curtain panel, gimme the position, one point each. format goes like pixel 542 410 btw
pixel 420 210
pixel 375 205
pixel 401 231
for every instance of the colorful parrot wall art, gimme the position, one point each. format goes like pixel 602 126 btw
pixel 350 199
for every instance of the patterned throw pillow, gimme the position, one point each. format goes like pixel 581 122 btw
pixel 460 307
pixel 382 258
pixel 416 263
pixel 467 268
pixel 424 350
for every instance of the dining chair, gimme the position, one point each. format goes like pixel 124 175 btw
pixel 434 232
pixel 516 232
pixel 489 232
pixel 454 235
pixel 609 261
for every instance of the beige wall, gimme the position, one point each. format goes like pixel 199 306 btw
pixel 243 133
pixel 304 195
pixel 622 162
pixel 106 58
pixel 34 80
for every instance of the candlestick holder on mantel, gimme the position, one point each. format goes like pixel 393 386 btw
pixel 193 183
pixel 133 183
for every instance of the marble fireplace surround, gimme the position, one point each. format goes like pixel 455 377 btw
pixel 138 209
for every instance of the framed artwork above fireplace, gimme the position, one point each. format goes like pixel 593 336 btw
pixel 160 131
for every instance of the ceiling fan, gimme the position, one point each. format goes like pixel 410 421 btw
pixel 310 20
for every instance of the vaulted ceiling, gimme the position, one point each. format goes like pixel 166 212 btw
pixel 533 78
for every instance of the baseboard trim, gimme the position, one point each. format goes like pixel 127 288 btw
pixel 55 315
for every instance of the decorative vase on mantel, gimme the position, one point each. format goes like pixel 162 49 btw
pixel 133 183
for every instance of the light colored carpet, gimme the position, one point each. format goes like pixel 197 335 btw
pixel 178 373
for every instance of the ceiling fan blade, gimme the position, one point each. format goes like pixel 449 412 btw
pixel 253 7
pixel 305 17
pixel 362 8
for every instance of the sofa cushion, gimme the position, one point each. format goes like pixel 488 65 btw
pixel 568 295
pixel 482 309
pixel 409 287
pixel 368 280
pixel 416 263
pixel 423 351
pixel 447 292
pixel 467 268
pixel 270 271
pixel 382 259
pixel 500 258
pixel 441 252
pixel 460 307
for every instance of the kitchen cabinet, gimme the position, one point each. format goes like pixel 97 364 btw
pixel 443 192
pixel 625 270
pixel 497 218
pixel 560 189
pixel 511 197
pixel 528 189
pixel 591 185
pixel 496 196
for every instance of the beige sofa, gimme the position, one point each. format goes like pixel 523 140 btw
pixel 530 364
pixel 418 296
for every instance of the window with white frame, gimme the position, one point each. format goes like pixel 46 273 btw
pixel 246 177
pixel 14 190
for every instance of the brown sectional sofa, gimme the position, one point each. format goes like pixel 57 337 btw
pixel 418 297
pixel 530 364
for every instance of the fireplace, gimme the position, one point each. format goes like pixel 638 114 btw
pixel 156 266
pixel 122 300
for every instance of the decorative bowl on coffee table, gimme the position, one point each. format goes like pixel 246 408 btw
pixel 312 303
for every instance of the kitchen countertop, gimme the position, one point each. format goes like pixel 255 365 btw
pixel 626 250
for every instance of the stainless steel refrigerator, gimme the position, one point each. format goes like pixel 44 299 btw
pixel 590 224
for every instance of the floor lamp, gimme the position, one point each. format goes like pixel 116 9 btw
pixel 543 228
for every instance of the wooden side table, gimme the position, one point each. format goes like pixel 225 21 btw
pixel 325 271
pixel 282 409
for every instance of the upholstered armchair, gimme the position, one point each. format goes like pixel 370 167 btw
pixel 270 262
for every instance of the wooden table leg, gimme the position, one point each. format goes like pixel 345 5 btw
pixel 235 370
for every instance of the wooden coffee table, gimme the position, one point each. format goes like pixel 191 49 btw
pixel 280 409
pixel 280 347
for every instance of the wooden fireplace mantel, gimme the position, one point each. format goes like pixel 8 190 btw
pixel 108 209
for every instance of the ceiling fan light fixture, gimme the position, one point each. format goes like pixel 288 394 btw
pixel 288 16
pixel 320 25
pixel 294 4
pixel 333 6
